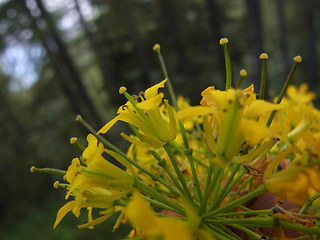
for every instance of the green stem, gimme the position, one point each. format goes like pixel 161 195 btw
pixel 240 188
pixel 251 234
pixel 223 192
pixel 266 222
pixel 228 66
pixel 174 163
pixel 251 212
pixel 207 192
pixel 234 182
pixel 172 94
pixel 216 188
pixel 263 82
pixel 157 196
pixel 109 145
pixel 283 91
pixel 188 153
pixel 231 205
pixel 158 204
pixel 309 203
pixel 217 233
pixel 299 227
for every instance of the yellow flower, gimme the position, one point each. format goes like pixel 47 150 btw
pixel 95 184
pixel 235 119
pixel 150 226
pixel 154 129
pixel 297 181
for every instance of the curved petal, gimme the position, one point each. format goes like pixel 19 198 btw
pixel 153 91
pixel 151 103
pixel 63 211
pixel 191 113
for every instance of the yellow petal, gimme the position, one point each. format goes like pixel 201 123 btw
pixel 151 103
pixel 254 132
pixel 259 107
pixel 141 215
pixel 191 113
pixel 153 91
pixel 172 122
pixel 96 221
pixel 106 127
pixel 134 141
pixel 63 211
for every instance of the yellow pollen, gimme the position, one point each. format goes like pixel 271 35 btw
pixel 264 56
pixel 33 169
pixel 122 90
pixel 73 140
pixel 223 41
pixel 156 47
pixel 56 184
pixel 78 118
pixel 243 73
pixel 297 59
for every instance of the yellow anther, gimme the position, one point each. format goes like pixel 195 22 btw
pixel 297 59
pixel 243 73
pixel 78 118
pixel 223 41
pixel 156 47
pixel 73 140
pixel 56 184
pixel 33 169
pixel 122 90
pixel 264 56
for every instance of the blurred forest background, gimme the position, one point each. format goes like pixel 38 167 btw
pixel 60 58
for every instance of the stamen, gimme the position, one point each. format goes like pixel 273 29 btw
pixel 73 140
pixel 223 42
pixel 34 169
pixel 264 70
pixel 122 90
pixel 243 73
pixel 297 59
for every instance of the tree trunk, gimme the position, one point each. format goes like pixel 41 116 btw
pixel 177 39
pixel 104 62
pixel 256 34
pixel 283 39
pixel 312 38
pixel 67 60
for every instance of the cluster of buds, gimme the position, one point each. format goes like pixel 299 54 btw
pixel 200 172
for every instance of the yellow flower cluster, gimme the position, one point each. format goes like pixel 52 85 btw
pixel 203 167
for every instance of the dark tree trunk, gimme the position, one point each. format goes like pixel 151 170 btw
pixel 256 35
pixel 312 38
pixel 174 31
pixel 68 62
pixel 104 62
pixel 215 25
pixel 59 69
pixel 283 39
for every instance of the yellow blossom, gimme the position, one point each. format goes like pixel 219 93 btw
pixel 150 226
pixel 96 183
pixel 154 130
